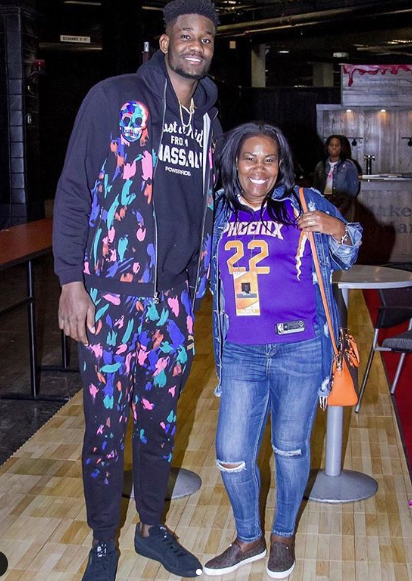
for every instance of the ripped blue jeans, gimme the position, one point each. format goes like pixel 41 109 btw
pixel 283 379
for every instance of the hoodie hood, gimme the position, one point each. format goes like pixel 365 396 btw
pixel 154 73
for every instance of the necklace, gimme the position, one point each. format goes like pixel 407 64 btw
pixel 189 111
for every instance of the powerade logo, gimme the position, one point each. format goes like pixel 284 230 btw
pixel 3 564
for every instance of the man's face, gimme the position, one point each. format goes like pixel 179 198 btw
pixel 188 46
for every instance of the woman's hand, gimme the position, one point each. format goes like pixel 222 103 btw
pixel 318 221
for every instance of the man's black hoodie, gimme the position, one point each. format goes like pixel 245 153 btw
pixel 105 229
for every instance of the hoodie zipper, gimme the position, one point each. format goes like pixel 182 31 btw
pixel 156 294
pixel 205 192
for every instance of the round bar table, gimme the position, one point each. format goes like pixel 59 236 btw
pixel 333 484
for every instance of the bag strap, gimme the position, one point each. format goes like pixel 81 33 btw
pixel 318 274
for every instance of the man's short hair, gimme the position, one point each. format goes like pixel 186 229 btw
pixel 176 8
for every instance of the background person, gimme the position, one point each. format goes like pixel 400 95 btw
pixel 337 176
pixel 132 251
pixel 272 347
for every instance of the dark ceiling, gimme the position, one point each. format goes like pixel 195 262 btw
pixel 317 29
pixel 368 31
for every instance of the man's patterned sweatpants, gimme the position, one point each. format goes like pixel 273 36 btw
pixel 139 358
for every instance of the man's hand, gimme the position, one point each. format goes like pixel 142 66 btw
pixel 76 310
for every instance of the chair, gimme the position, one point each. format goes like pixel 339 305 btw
pixel 396 308
pixel 401 343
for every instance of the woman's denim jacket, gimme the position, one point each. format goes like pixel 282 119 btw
pixel 345 183
pixel 332 256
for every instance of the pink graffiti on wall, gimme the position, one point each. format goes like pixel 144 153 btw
pixel 373 70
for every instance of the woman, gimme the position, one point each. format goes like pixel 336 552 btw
pixel 337 177
pixel 272 351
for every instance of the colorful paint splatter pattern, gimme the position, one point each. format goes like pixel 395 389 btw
pixel 138 360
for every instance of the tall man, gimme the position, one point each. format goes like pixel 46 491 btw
pixel 132 231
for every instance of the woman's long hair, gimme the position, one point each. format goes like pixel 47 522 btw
pixel 228 172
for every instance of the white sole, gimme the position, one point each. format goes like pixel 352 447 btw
pixel 216 572
pixel 280 574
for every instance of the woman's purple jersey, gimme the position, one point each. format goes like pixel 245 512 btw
pixel 266 272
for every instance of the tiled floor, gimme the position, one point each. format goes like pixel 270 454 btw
pixel 19 420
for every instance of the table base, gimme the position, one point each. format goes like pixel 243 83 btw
pixel 349 486
pixel 182 482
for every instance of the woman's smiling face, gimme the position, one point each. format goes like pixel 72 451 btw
pixel 258 168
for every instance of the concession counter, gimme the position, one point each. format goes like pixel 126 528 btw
pixel 384 208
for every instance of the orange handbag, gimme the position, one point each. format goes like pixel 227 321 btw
pixel 344 376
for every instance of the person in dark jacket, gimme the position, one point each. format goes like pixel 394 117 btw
pixel 132 237
pixel 337 177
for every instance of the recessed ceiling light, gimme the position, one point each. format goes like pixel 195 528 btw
pixel 81 3
pixel 399 41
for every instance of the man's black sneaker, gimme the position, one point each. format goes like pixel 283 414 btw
pixel 161 545
pixel 102 564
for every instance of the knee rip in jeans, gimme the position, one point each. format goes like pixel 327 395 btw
pixel 287 453
pixel 231 466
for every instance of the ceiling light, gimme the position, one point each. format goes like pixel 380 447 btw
pixel 398 41
pixel 81 3
pixel 283 51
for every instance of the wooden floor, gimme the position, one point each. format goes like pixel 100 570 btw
pixel 44 534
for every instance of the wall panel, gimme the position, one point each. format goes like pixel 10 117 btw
pixel 365 85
